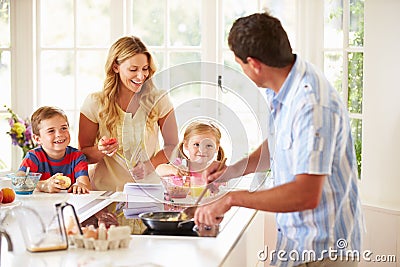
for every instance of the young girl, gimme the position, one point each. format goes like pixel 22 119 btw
pixel 202 141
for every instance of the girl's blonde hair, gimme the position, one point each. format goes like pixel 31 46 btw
pixel 123 49
pixel 200 128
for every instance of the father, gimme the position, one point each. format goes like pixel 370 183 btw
pixel 315 195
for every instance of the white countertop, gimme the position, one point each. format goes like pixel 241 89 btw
pixel 144 250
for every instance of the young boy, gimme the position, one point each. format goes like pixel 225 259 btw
pixel 54 158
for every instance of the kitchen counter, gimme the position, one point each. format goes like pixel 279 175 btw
pixel 145 250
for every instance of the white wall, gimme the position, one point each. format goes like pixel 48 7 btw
pixel 380 183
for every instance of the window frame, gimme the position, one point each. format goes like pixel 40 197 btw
pixel 25 59
pixel 345 50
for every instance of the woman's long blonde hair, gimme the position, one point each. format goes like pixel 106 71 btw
pixel 200 128
pixel 123 49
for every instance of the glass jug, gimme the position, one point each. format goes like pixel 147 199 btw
pixel 46 236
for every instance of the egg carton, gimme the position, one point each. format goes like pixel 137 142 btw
pixel 114 238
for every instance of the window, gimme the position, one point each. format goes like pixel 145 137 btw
pixel 179 31
pixel 73 38
pixel 66 42
pixel 5 78
pixel 343 58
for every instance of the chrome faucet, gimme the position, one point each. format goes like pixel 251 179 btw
pixel 4 233
pixel 7 237
pixel 9 242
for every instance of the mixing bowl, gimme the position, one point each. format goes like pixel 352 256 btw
pixel 175 186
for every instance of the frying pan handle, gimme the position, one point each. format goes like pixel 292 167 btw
pixel 180 224
pixel 205 230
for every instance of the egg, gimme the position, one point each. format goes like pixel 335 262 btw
pixel 90 232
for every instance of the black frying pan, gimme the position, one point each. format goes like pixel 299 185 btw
pixel 165 221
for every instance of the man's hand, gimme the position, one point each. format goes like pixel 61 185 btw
pixel 216 172
pixel 213 213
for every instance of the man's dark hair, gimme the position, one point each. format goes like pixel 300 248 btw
pixel 262 37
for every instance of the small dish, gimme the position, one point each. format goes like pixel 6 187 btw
pixel 13 204
pixel 24 184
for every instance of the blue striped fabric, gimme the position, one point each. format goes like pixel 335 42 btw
pixel 313 136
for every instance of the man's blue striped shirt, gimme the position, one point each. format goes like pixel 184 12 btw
pixel 313 136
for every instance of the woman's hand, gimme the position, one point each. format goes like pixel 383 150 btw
pixel 138 172
pixel 108 146
pixel 142 169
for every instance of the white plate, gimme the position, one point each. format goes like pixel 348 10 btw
pixel 10 205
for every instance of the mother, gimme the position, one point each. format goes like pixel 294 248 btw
pixel 131 111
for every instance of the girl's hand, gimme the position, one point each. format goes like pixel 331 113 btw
pixel 179 170
pixel 182 172
pixel 108 146
pixel 78 188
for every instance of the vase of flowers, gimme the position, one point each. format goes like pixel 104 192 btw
pixel 20 132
